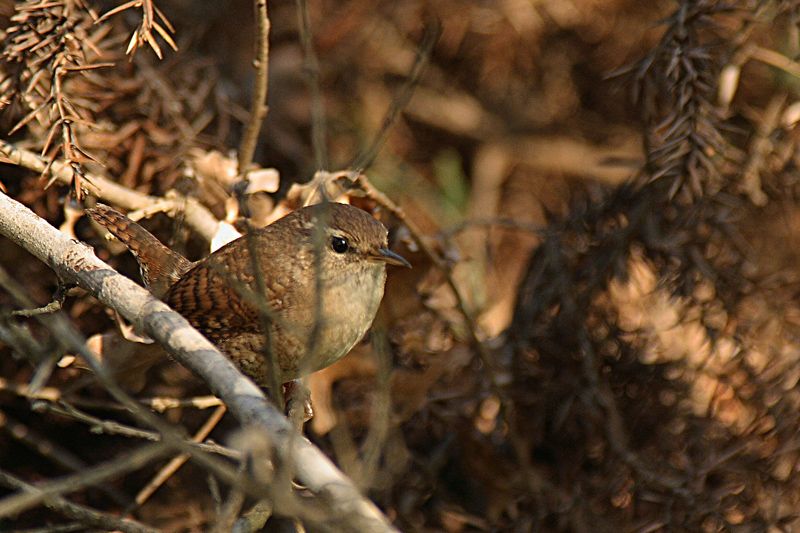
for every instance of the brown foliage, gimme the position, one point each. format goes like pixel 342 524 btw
pixel 621 353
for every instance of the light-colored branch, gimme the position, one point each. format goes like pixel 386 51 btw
pixel 345 508
pixel 196 215
pixel 258 105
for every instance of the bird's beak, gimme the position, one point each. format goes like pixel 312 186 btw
pixel 390 258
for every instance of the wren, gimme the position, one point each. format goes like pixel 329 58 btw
pixel 323 269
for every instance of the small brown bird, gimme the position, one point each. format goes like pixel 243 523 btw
pixel 219 295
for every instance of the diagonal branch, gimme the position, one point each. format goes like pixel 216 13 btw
pixel 81 512
pixel 128 462
pixel 345 507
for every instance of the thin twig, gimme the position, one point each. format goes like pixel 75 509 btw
pixel 129 461
pixel 762 146
pixel 52 307
pixel 163 403
pixel 229 512
pixel 443 266
pixel 50 394
pixel 258 105
pixel 14 213
pixel 85 514
pixel 158 403
pixel 265 316
pixel 381 413
pixel 53 451
pixel 311 71
pixel 111 427
pixel 438 261
pixel 775 59
pixel 401 99
pixel 170 468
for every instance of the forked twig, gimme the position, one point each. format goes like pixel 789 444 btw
pixel 144 33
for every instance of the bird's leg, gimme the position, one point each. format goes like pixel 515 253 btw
pixel 298 402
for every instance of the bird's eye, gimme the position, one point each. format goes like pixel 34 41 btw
pixel 339 244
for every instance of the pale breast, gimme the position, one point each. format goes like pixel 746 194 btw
pixel 348 312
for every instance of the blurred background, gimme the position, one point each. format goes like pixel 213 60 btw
pixel 611 186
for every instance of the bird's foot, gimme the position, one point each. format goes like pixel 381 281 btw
pixel 298 402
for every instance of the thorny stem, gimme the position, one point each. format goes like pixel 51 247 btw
pixel 67 136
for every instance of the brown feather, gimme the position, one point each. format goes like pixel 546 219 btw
pixel 160 266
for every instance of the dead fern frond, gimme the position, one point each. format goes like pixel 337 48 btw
pixel 675 88
pixel 48 44
pixel 153 19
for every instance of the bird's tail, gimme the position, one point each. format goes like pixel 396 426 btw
pixel 160 266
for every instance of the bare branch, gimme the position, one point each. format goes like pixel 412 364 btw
pixel 197 216
pixel 17 503
pixel 79 512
